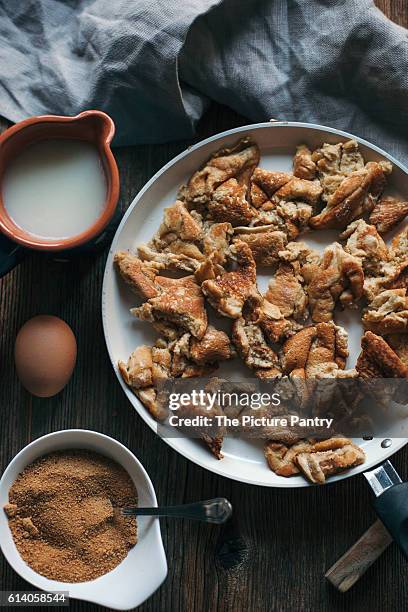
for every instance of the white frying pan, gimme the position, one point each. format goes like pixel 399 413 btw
pixel 243 459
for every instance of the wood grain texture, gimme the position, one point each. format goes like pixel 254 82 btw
pixel 397 10
pixel 273 555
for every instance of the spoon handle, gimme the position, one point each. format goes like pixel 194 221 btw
pixel 217 510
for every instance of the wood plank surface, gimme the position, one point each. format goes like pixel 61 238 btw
pixel 274 553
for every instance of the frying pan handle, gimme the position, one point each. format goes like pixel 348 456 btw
pixel 10 254
pixel 356 561
pixel 392 508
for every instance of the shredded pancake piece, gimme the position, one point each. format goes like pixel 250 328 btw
pixel 184 242
pixel 285 290
pixel 335 162
pixel 356 194
pixel 264 184
pixel 252 347
pixel 178 305
pixel 399 344
pixel 229 204
pixel 216 241
pixel 271 320
pixel 316 351
pixel 214 346
pixel 387 313
pixel 328 351
pixel 387 213
pixel 296 351
pixel 316 460
pixel 338 277
pixel 178 224
pixel 378 360
pixel 281 459
pixel 237 162
pixel 138 371
pixel 144 369
pixel 399 247
pixel 264 241
pixel 365 243
pixel 229 291
pixel 177 243
pixel 283 200
pixel 318 465
pixel 299 189
pixel 138 274
pixel 303 165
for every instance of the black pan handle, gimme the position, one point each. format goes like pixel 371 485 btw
pixel 11 254
pixel 392 508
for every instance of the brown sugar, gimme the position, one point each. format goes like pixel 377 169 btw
pixel 64 515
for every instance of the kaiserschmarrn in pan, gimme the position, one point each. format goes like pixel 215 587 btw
pixel 234 217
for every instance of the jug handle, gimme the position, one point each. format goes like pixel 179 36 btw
pixel 11 254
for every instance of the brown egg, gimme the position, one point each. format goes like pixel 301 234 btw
pixel 45 355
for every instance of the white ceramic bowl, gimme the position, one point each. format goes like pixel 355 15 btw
pixel 145 567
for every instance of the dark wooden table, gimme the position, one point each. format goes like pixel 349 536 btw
pixel 274 553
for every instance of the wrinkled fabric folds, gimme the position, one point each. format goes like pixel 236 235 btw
pixel 154 66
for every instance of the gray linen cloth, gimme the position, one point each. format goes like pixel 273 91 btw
pixel 154 65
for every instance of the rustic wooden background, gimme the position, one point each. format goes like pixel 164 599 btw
pixel 274 553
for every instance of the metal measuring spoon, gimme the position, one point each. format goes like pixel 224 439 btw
pixel 217 510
